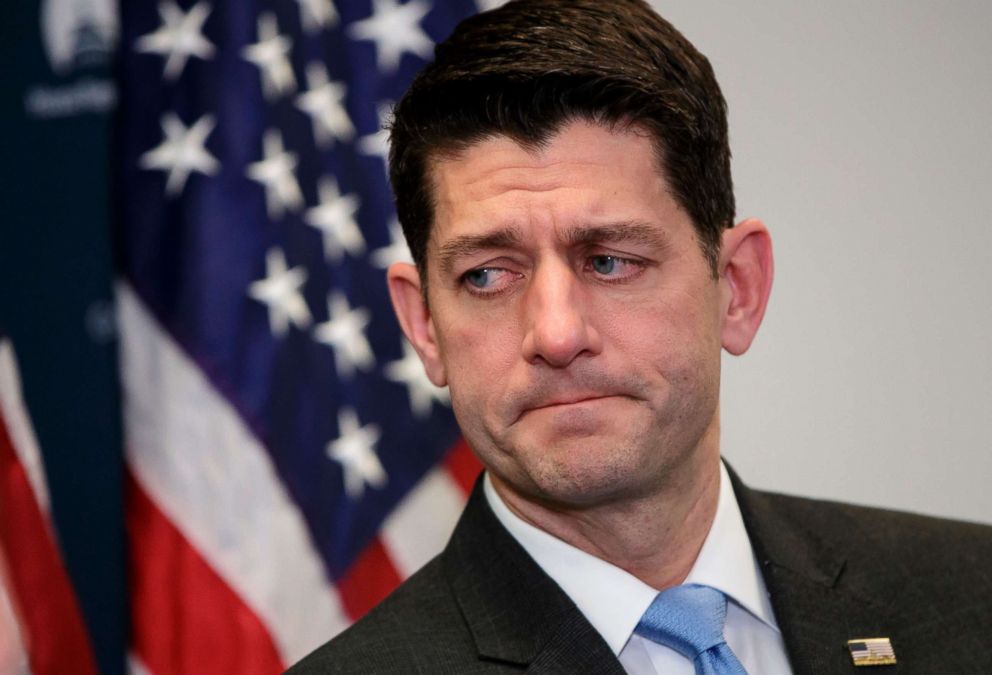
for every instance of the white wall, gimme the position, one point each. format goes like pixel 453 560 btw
pixel 861 136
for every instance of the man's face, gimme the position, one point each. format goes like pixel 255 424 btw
pixel 573 316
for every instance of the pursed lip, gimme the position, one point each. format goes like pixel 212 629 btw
pixel 563 401
pixel 589 387
pixel 568 401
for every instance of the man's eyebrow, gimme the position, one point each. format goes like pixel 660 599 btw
pixel 632 231
pixel 469 244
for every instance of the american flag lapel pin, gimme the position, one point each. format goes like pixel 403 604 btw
pixel 872 651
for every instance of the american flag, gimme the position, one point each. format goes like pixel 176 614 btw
pixel 289 462
pixel 872 652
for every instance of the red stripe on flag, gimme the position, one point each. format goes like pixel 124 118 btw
pixel 463 466
pixel 56 638
pixel 371 578
pixel 184 617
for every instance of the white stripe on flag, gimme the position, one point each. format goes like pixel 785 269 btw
pixel 15 416
pixel 212 478
pixel 13 653
pixel 419 527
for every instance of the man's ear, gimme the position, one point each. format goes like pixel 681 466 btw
pixel 746 271
pixel 415 318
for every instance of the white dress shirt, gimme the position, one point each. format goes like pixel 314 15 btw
pixel 613 600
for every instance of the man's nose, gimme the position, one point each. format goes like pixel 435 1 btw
pixel 559 328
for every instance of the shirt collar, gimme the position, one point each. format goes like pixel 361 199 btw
pixel 727 561
pixel 613 600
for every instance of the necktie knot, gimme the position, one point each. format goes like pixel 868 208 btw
pixel 689 619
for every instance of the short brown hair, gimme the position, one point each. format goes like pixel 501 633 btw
pixel 529 67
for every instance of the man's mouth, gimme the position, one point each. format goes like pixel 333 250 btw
pixel 563 403
pixel 585 390
pixel 567 400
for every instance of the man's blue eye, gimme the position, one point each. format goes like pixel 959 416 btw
pixel 479 278
pixel 604 264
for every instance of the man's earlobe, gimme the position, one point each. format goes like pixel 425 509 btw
pixel 746 271
pixel 415 318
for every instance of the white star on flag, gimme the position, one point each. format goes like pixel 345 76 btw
pixel 395 28
pixel 179 37
pixel 354 450
pixel 377 144
pixel 344 332
pixel 270 55
pixel 410 372
pixel 280 291
pixel 181 152
pixel 335 218
pixel 397 251
pixel 317 14
pixel 324 103
pixel 275 172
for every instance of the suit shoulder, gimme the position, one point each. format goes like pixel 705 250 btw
pixel 414 630
pixel 924 543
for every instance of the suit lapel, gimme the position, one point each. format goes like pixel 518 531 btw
pixel 817 606
pixel 516 613
pixel 574 646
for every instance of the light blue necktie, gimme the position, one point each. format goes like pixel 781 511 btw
pixel 689 619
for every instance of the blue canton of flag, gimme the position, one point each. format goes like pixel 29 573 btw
pixel 280 432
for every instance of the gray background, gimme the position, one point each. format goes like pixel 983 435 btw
pixel 861 136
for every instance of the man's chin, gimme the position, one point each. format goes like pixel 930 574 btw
pixel 581 473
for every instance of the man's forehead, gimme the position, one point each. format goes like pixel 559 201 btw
pixel 580 154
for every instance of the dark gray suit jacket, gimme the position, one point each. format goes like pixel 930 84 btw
pixel 835 572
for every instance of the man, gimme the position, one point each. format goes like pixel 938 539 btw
pixel 562 174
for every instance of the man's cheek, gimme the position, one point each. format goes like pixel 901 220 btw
pixel 485 345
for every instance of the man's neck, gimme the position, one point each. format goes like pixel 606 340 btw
pixel 656 538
